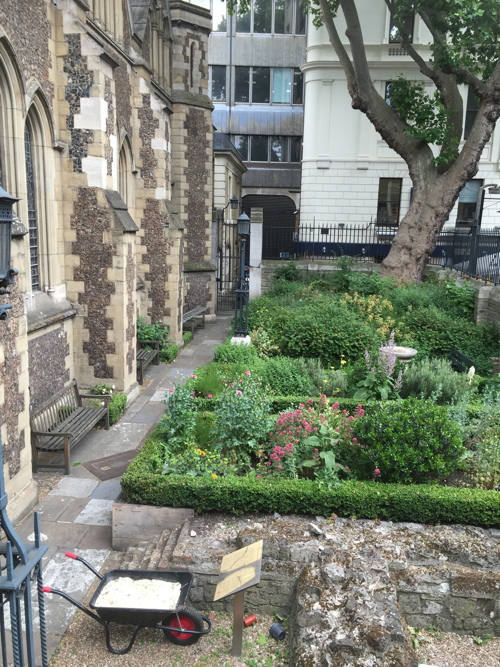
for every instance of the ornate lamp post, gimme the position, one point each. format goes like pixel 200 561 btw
pixel 21 564
pixel 7 274
pixel 241 293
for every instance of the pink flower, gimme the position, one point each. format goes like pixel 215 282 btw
pixel 209 396
pixel 376 471
pixel 280 467
pixel 238 392
pixel 258 477
pixel 347 468
pixel 240 380
pixel 316 450
pixel 247 373
pixel 355 440
pixel 193 394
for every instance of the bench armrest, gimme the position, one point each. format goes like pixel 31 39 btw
pixel 53 433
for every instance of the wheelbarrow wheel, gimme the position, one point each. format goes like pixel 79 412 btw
pixel 185 620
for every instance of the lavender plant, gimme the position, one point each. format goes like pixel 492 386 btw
pixel 381 381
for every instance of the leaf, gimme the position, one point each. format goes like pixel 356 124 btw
pixel 261 640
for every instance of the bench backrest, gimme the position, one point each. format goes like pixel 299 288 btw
pixel 56 408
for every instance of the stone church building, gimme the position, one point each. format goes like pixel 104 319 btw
pixel 106 139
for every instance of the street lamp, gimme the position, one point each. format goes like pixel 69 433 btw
pixel 241 293
pixel 7 274
pixel 22 563
pixel 494 189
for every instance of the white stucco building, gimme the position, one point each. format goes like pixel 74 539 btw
pixel 349 174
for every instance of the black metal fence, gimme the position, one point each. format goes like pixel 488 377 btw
pixel 472 252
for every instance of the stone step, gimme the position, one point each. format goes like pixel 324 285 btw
pixel 158 549
pixel 166 555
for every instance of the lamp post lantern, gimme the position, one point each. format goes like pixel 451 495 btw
pixel 241 293
pixel 7 274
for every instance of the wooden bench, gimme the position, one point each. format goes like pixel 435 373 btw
pixel 190 317
pixel 63 420
pixel 460 362
pixel 148 352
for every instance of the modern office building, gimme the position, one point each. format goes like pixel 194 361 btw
pixel 256 86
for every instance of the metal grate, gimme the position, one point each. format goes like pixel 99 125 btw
pixel 112 466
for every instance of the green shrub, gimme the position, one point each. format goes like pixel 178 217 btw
pixel 209 384
pixel 187 337
pixel 204 429
pixel 240 420
pixel 228 353
pixel 282 375
pixel 436 379
pixel 288 271
pixel 483 441
pixel 178 422
pixel 153 331
pixel 279 404
pixel 117 407
pixel 143 484
pixel 410 441
pixel 195 462
pixel 168 354
pixel 326 330
pixel 326 381
pixel 435 332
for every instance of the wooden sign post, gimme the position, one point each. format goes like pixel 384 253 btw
pixel 239 571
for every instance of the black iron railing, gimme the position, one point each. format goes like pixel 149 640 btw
pixel 468 250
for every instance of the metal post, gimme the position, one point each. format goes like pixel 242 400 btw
pixel 239 608
pixel 241 304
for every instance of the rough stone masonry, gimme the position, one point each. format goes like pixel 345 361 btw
pixel 350 587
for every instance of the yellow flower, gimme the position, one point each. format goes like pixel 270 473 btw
pixel 343 361
pixel 214 476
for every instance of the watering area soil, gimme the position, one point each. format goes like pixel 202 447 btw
pixel 76 516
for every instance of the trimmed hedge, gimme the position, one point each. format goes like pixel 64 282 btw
pixel 369 500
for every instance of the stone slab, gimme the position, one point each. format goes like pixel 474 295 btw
pixel 138 523
pixel 158 396
pixel 75 488
pixel 107 490
pixel 97 512
pixel 52 507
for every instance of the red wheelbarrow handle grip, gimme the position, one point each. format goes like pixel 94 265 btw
pixel 71 555
pixel 46 589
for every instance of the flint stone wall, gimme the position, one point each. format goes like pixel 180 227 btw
pixel 350 587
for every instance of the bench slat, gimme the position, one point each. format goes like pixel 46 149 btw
pixel 62 421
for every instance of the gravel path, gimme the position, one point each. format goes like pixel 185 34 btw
pixel 452 650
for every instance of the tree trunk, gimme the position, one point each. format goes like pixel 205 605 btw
pixel 417 234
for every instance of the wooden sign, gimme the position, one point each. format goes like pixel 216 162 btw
pixel 239 570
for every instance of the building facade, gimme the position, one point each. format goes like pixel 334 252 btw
pixel 106 139
pixel 349 174
pixel 257 91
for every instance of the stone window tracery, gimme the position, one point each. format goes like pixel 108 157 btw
pixel 160 45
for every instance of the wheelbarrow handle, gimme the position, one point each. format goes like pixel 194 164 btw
pixel 48 589
pixel 82 560
pixel 105 625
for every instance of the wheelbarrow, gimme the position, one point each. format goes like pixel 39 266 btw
pixel 181 625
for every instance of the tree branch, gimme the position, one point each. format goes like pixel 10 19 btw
pixel 340 50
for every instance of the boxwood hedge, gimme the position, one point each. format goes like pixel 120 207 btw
pixel 433 504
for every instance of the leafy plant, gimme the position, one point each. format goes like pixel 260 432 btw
pixel 287 271
pixel 187 337
pixel 379 381
pixel 241 420
pixel 196 462
pixel 178 422
pixel 168 354
pixel 325 380
pixel 426 378
pixel 228 353
pixel 409 441
pixel 262 342
pixel 483 441
pixel 153 331
pixel 283 375
pixel 116 405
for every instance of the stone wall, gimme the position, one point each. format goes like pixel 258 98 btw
pixel 349 587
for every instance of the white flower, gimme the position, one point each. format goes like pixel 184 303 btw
pixel 470 374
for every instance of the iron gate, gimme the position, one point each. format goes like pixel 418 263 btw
pixel 228 263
